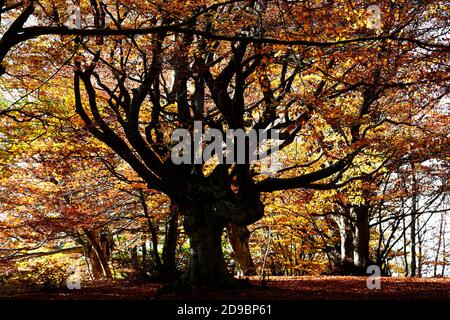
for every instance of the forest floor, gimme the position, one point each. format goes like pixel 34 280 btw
pixel 276 288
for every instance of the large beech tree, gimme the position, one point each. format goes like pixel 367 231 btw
pixel 312 70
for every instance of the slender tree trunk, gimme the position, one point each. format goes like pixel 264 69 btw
pixel 420 257
pixel 362 237
pixel 144 253
pixel 438 249
pixel 134 257
pixel 94 239
pixel 346 231
pixel 239 239
pixel 413 245
pixel 413 225
pixel 444 249
pixel 170 244
pixel 97 271
pixel 152 231
pixel 154 240
pixel 405 246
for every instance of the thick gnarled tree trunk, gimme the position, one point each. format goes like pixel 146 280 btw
pixel 207 211
pixel 207 265
pixel 239 239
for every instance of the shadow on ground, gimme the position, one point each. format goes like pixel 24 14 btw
pixel 277 288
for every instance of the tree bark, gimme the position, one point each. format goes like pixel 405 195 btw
pixel 405 245
pixel 207 265
pixel 73 250
pixel 208 206
pixel 134 257
pixel 444 249
pixel 170 244
pixel 239 239
pixel 152 231
pixel 94 239
pixel 346 231
pixel 144 253
pixel 413 224
pixel 438 249
pixel 97 270
pixel 420 257
pixel 361 239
